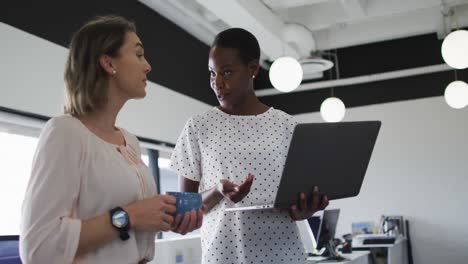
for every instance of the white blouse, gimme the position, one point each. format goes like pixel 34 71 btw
pixel 77 176
pixel 214 146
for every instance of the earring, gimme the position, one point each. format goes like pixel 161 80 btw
pixel 253 76
pixel 114 72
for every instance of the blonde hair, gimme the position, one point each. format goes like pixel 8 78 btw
pixel 86 82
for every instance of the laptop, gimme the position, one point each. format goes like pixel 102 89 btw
pixel 332 156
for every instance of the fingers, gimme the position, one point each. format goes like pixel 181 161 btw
pixel 324 203
pixel 294 212
pixel 315 198
pixel 199 218
pixel 245 186
pixel 170 209
pixel 229 186
pixel 168 219
pixel 182 229
pixel 168 199
pixel 303 209
pixel 248 179
pixel 281 210
pixel 165 226
pixel 302 202
pixel 176 222
pixel 234 192
pixel 167 205
pixel 192 221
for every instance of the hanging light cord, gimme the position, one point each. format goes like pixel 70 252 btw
pixel 337 69
pixel 332 88
pixel 449 12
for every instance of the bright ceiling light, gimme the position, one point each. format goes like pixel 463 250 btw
pixel 456 94
pixel 332 109
pixel 286 74
pixel 455 49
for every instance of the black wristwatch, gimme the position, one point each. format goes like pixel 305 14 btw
pixel 121 222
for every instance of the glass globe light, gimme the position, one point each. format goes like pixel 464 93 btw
pixel 286 74
pixel 454 49
pixel 456 94
pixel 332 109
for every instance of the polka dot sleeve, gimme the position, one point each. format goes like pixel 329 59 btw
pixel 186 157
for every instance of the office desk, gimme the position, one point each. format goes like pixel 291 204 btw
pixel 358 257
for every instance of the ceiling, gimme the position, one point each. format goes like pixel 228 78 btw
pixel 362 34
pixel 387 50
pixel 331 24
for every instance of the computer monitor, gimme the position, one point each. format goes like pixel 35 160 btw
pixel 327 228
pixel 325 235
pixel 324 231
pixel 306 236
pixel 314 224
pixel 9 253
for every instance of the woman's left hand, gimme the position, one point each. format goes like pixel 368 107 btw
pixel 304 210
pixel 192 220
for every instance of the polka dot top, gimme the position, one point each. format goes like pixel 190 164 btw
pixel 214 146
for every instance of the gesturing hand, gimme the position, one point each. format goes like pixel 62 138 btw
pixel 235 192
pixel 304 210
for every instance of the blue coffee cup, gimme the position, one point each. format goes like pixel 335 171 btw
pixel 186 201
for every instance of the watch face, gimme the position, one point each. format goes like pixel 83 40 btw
pixel 119 219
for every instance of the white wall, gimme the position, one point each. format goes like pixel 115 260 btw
pixel 419 169
pixel 31 74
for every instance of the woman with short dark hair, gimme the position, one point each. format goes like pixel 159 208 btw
pixel 221 151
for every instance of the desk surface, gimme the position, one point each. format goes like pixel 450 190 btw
pixel 355 257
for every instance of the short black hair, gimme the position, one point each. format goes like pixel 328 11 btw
pixel 240 39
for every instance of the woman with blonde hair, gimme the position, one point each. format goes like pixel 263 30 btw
pixel 90 199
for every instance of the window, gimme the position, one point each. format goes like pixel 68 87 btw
pixel 168 178
pixel 16 155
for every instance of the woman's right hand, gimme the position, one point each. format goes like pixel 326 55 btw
pixel 235 192
pixel 152 214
